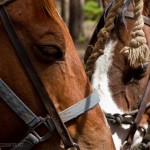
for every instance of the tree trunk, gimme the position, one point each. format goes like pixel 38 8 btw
pixel 76 18
pixel 63 9
pixel 100 3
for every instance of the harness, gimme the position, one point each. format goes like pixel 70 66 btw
pixel 54 120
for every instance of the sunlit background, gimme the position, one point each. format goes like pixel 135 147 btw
pixel 81 17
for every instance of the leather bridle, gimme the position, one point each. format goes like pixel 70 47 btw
pixel 129 14
pixel 54 120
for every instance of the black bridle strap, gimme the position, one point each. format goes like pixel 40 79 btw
pixel 70 113
pixel 129 14
pixel 11 99
pixel 3 2
pixel 33 121
pixel 38 85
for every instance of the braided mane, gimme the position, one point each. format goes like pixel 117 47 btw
pixel 112 18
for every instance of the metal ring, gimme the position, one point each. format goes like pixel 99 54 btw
pixel 75 146
pixel 3 2
pixel 143 129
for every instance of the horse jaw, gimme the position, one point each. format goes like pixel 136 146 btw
pixel 100 81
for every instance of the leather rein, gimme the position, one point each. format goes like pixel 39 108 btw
pixel 54 120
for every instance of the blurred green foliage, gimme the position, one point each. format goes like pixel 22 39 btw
pixel 92 10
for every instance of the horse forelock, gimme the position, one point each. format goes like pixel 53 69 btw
pixel 51 10
pixel 120 18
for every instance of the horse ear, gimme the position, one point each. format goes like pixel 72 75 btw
pixel 105 3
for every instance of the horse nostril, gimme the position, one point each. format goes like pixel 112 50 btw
pixel 141 71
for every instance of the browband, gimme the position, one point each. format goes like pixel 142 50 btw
pixel 129 14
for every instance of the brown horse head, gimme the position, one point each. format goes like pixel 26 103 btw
pixel 121 87
pixel 53 55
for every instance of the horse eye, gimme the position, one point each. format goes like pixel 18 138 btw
pixel 134 74
pixel 50 52
pixel 141 70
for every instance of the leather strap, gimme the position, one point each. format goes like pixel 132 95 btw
pixel 3 2
pixel 11 99
pixel 38 85
pixel 130 14
pixel 27 143
pixel 22 111
pixel 72 112
pixel 80 108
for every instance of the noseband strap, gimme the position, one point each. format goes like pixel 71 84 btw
pixel 129 14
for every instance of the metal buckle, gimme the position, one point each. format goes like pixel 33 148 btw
pixel 142 129
pixel 43 121
pixel 3 2
pixel 75 146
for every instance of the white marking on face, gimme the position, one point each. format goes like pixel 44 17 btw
pixel 100 81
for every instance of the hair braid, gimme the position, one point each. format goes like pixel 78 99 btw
pixel 103 36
